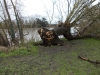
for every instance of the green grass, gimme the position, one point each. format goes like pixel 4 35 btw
pixel 20 51
pixel 55 60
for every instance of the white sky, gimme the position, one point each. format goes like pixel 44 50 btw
pixel 36 7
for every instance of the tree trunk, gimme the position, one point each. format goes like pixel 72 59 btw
pixel 66 31
pixel 68 35
pixel 3 42
pixel 6 39
pixel 81 32
pixel 12 32
pixel 18 22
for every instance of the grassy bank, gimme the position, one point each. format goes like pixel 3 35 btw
pixel 55 60
pixel 19 51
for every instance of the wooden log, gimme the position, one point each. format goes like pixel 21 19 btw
pixel 91 61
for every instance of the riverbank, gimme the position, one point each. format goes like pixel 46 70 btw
pixel 55 60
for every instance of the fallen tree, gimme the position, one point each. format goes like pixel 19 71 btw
pixel 49 37
pixel 81 16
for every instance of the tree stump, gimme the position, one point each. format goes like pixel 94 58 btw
pixel 49 37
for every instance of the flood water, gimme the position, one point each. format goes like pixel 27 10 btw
pixel 32 34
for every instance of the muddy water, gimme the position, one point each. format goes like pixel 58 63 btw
pixel 32 34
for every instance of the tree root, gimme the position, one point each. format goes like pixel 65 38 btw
pixel 91 61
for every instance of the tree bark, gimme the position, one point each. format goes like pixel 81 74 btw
pixel 18 22
pixel 66 31
pixel 68 34
pixel 12 32
pixel 6 39
pixel 3 42
pixel 49 37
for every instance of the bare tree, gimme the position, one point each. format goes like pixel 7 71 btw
pixel 76 11
pixel 6 39
pixel 50 15
pixel 7 11
pixel 18 20
pixel 12 32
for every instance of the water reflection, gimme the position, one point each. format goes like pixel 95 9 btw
pixel 32 34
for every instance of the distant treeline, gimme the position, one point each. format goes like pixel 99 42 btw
pixel 31 23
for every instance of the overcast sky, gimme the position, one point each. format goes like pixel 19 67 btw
pixel 33 7
pixel 36 7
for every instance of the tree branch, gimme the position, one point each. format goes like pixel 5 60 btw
pixel 91 61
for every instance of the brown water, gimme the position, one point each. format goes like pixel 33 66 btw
pixel 32 34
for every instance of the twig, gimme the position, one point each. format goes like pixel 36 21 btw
pixel 91 61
